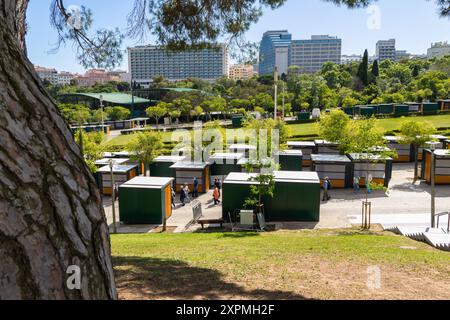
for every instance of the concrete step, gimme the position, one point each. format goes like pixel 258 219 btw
pixel 440 241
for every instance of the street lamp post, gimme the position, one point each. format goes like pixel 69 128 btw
pixel 101 108
pixel 111 165
pixel 284 89
pixel 433 187
pixel 275 79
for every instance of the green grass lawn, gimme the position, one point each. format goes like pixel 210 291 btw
pixel 321 264
pixel 309 130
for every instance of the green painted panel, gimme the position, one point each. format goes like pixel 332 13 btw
pixel 295 202
pixel 291 163
pixel 291 202
pixel 224 169
pixel 430 108
pixel 141 205
pixel 162 169
pixel 385 109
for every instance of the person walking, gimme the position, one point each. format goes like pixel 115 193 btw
pixel 173 197
pixel 182 197
pixel 368 182
pixel 219 186
pixel 216 196
pixel 186 193
pixel 356 181
pixel 195 192
pixel 326 189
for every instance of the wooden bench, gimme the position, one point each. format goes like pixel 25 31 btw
pixel 210 221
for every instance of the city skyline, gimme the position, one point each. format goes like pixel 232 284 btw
pixel 301 19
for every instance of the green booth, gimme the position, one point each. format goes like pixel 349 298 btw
pixel 430 108
pixel 186 171
pixel 401 110
pixel 404 151
pixel 121 174
pixel 438 143
pixel 365 111
pixel 237 120
pixel 414 107
pixel 444 105
pixel 349 111
pixel 290 160
pixel 145 200
pixel 441 166
pixel 338 168
pixel 380 168
pixel 306 147
pixel 160 167
pixel 384 109
pixel 223 164
pixel 296 196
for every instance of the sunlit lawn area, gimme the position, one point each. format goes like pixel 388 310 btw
pixel 321 264
pixel 310 129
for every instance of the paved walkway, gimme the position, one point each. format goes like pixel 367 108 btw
pixel 403 199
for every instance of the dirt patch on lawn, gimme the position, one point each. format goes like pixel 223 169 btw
pixel 296 278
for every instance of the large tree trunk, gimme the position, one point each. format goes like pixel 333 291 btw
pixel 51 216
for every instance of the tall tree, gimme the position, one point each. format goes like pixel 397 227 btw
pixel 416 133
pixel 375 71
pixel 363 70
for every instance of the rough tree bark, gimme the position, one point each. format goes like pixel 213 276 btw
pixel 51 215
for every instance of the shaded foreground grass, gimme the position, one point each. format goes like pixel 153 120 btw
pixel 310 129
pixel 282 265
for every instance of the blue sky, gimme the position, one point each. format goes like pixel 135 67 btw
pixel 414 23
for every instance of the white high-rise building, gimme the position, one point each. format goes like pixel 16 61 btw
pixel 147 62
pixel 310 55
pixel 438 49
pixel 385 50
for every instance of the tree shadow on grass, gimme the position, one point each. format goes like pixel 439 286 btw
pixel 152 278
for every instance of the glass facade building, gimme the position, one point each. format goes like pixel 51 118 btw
pixel 147 62
pixel 278 49
pixel 275 51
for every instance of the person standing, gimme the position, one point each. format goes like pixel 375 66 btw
pixel 356 184
pixel 326 189
pixel 173 197
pixel 216 196
pixel 368 182
pixel 182 197
pixel 219 186
pixel 195 192
pixel 186 193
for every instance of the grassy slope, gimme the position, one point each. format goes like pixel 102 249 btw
pixel 306 264
pixel 310 129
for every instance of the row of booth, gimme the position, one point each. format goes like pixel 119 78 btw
pixel 147 200
pixel 320 156
pixel 403 109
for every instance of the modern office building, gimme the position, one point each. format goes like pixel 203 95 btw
pixel 385 50
pixel 438 49
pixel 274 52
pixel 241 72
pixel 309 55
pixel 147 62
